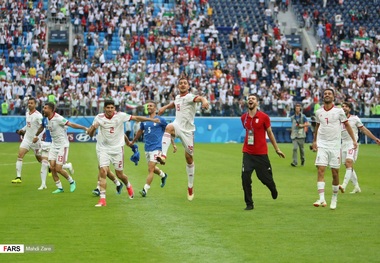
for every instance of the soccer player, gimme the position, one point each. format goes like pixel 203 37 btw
pixel 44 150
pixel 110 145
pixel 33 122
pixel 183 128
pixel 153 133
pixel 349 155
pixel 327 142
pixel 59 149
pixel 255 150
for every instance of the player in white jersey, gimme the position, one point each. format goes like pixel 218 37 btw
pixel 349 155
pixel 33 122
pixel 183 128
pixel 327 140
pixel 59 148
pixel 110 145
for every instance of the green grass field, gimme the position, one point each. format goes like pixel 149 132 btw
pixel 165 227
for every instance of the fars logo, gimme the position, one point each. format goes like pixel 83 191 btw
pixel 82 137
pixel 11 248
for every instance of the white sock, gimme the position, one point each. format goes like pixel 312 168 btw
pixel 162 174
pixel 59 184
pixel 166 140
pixel 347 177
pixel 102 194
pixel 354 178
pixel 117 182
pixel 44 171
pixel 146 187
pixel 190 169
pixel 19 167
pixel 70 179
pixel 129 184
pixel 321 190
pixel 335 189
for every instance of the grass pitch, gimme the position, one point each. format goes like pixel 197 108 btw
pixel 165 227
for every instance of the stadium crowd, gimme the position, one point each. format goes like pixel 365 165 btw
pixel 157 44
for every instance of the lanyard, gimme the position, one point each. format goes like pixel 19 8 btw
pixel 245 122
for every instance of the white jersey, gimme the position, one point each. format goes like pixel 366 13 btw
pixel 33 123
pixel 185 111
pixel 329 131
pixel 57 127
pixel 355 124
pixel 110 136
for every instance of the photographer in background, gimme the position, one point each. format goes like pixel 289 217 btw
pixel 298 134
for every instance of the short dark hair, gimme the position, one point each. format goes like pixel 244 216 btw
pixel 183 76
pixel 151 101
pixel 32 98
pixel 348 104
pixel 108 102
pixel 254 94
pixel 51 105
pixel 333 92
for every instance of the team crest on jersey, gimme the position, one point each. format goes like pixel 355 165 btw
pixel 257 120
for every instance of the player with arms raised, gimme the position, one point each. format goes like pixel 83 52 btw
pixel 183 128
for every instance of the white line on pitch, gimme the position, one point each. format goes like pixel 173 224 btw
pixel 22 163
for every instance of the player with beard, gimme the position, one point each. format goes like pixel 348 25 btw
pixel 255 150
pixel 327 142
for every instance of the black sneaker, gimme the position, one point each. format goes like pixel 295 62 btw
pixel 249 207
pixel 96 192
pixel 142 193
pixel 293 164
pixel 274 193
pixel 119 188
pixel 163 180
pixel 302 163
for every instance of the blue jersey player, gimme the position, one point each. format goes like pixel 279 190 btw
pixel 153 133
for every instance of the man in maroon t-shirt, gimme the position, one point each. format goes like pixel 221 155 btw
pixel 255 150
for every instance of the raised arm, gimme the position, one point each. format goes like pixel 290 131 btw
pixel 171 105
pixel 142 118
pixel 204 101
